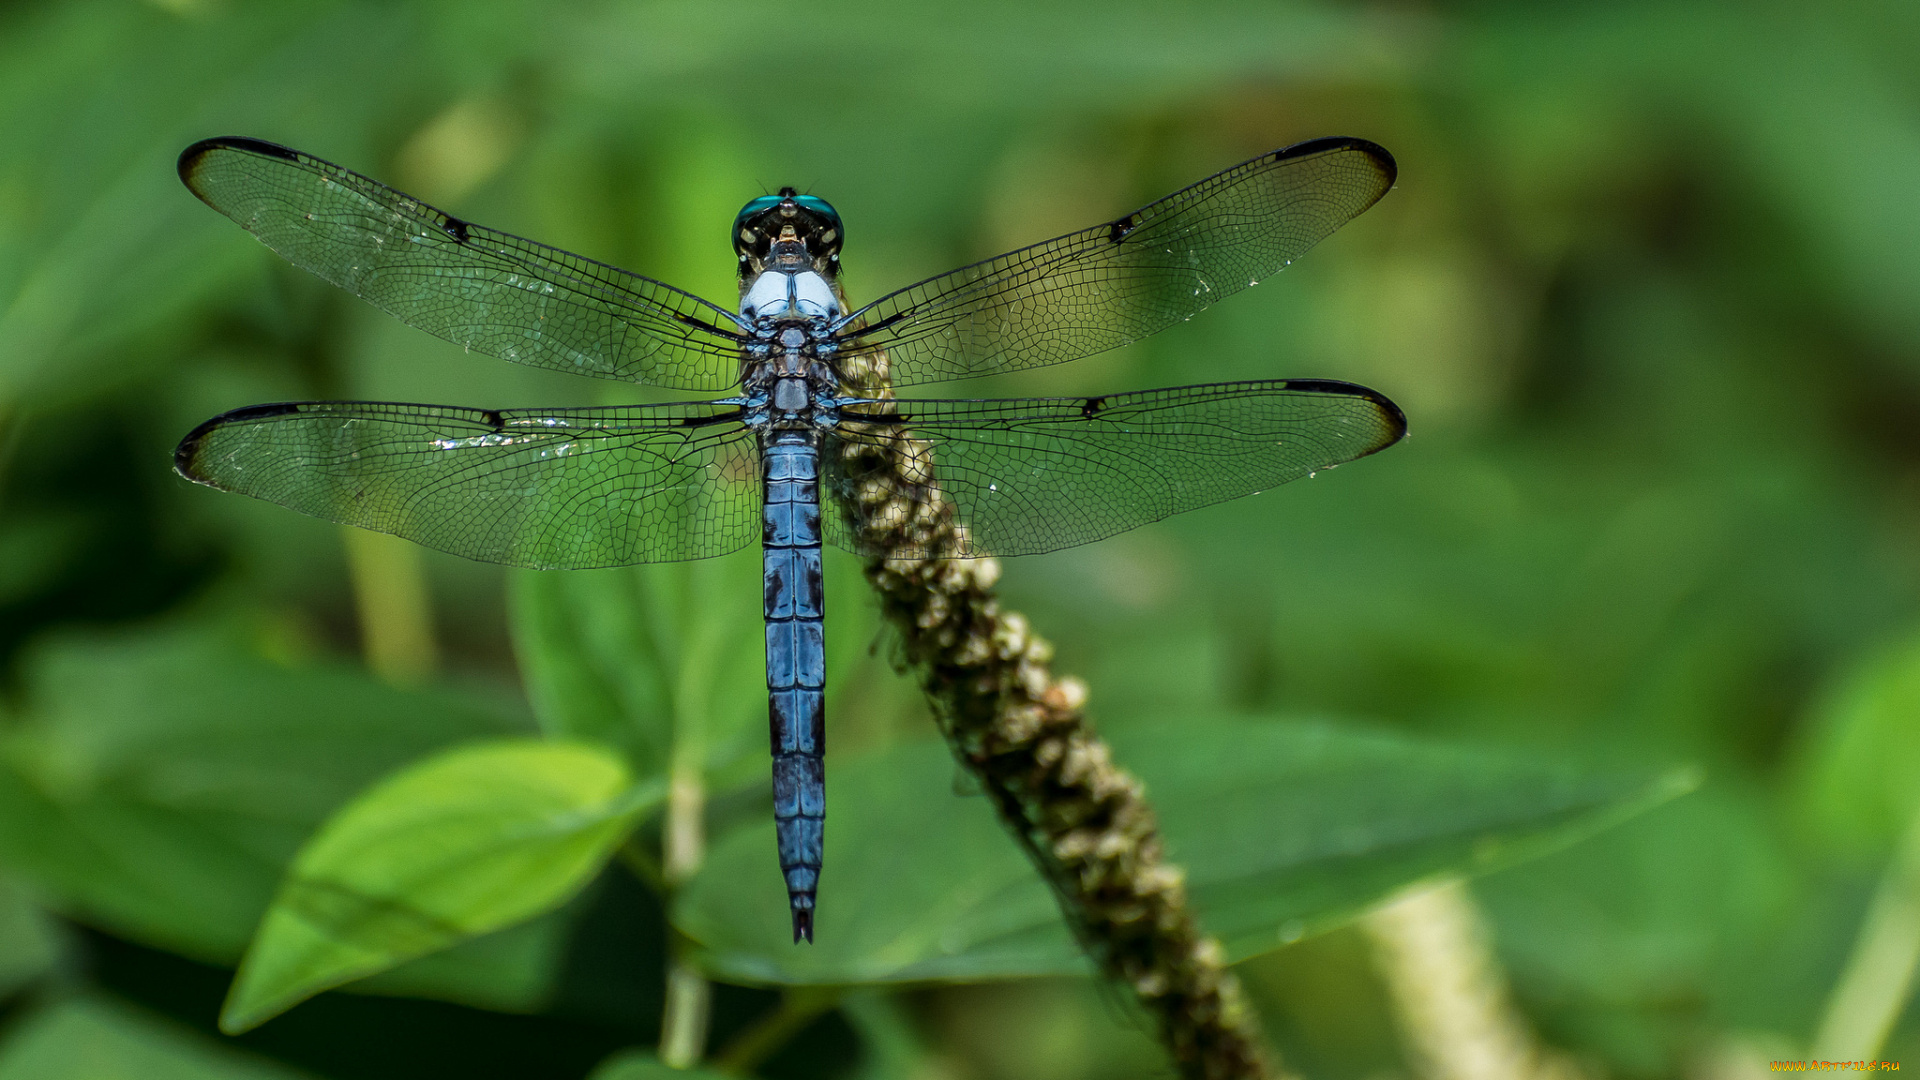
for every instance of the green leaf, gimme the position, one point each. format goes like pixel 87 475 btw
pixel 98 246
pixel 160 783
pixel 1284 829
pixel 29 942
pixel 1288 829
pixel 1860 780
pixel 1651 910
pixel 515 970
pixel 476 839
pixel 99 1040
pixel 623 656
pixel 589 664
pixel 641 1065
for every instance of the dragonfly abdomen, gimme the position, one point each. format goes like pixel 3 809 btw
pixel 796 663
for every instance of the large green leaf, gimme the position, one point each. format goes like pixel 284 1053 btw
pixel 100 1040
pixel 514 970
pixel 99 245
pixel 474 840
pixel 29 941
pixel 160 783
pixel 623 657
pixel 1655 910
pixel 1284 829
pixel 1860 772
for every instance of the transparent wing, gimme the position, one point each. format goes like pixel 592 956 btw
pixel 1028 475
pixel 487 291
pixel 1103 287
pixel 553 488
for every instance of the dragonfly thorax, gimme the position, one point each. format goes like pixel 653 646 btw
pixel 791 396
pixel 784 294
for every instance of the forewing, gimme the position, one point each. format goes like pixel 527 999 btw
pixel 550 489
pixel 487 291
pixel 1030 475
pixel 1103 287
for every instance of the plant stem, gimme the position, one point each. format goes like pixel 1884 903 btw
pixel 396 611
pixel 1874 986
pixel 683 1024
pixel 1020 731
pixel 1435 956
pixel 685 838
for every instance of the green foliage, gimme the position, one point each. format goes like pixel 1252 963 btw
pixel 1283 828
pixel 29 942
pixel 1862 767
pixel 1645 291
pixel 464 843
pixel 638 1065
pixel 100 1040
pixel 159 783
pixel 630 658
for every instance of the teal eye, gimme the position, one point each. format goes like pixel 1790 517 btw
pixel 826 228
pixel 760 205
pixel 742 231
pixel 818 206
pixel 831 232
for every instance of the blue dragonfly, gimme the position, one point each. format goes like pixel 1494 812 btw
pixel 811 380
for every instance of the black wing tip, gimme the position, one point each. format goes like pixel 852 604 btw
pixel 1396 419
pixel 190 157
pixel 1380 155
pixel 802 919
pixel 189 448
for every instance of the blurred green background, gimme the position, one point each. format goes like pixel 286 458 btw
pixel 1648 291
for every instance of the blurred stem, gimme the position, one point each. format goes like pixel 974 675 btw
pixel 683 1025
pixel 798 1007
pixel 396 610
pixel 1436 958
pixel 685 837
pixel 1874 987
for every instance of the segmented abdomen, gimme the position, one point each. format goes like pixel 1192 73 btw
pixel 796 663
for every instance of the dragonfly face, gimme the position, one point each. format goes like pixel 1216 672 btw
pixel 790 231
pixel 788 246
pixel 811 400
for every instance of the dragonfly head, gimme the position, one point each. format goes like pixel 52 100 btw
pixel 788 231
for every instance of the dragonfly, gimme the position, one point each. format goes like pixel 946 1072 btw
pixel 809 382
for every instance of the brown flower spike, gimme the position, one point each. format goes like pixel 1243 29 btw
pixel 1020 730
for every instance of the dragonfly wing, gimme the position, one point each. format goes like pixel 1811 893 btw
pixel 1029 475
pixel 1103 287
pixel 488 291
pixel 555 488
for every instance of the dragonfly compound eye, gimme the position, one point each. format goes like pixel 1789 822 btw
pixel 813 222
